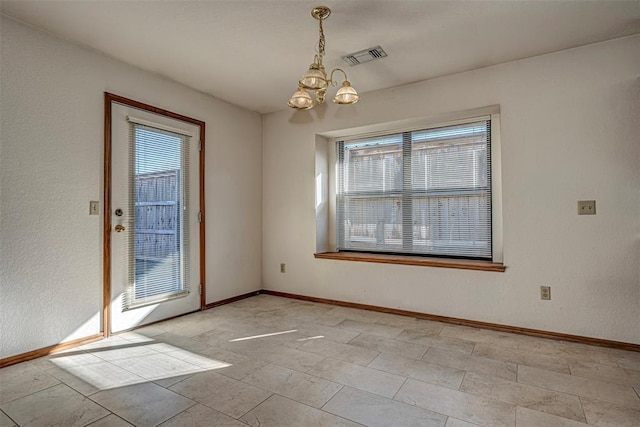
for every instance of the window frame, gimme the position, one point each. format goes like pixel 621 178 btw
pixel 326 194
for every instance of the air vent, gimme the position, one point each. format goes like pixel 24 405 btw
pixel 364 56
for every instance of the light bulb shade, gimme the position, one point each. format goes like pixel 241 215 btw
pixel 300 100
pixel 315 78
pixel 346 94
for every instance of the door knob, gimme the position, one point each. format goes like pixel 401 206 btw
pixel 119 228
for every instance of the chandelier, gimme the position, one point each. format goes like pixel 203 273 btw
pixel 315 79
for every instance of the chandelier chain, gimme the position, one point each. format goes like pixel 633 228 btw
pixel 321 42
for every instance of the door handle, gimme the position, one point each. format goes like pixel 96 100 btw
pixel 119 228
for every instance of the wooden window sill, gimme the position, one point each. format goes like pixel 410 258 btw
pixel 414 260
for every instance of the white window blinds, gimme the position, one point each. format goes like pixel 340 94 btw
pixel 158 247
pixel 417 192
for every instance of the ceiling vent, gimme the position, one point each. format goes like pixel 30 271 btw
pixel 364 56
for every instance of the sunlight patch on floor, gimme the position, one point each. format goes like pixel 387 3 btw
pixel 123 363
pixel 263 335
pixel 317 337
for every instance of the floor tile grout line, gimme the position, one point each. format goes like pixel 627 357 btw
pixel 103 407
pixel 588 377
pixel 12 420
pixel 474 394
pixel 578 395
pixel 38 391
pixel 413 378
pixel 464 354
pixel 527 405
pixel 464 376
pixel 78 391
pixel 255 406
pixel 342 386
pixel 415 404
pixel 195 403
pixel 400 388
pixel 106 416
pixel 145 380
pixel 584 413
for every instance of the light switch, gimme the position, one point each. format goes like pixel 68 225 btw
pixel 94 207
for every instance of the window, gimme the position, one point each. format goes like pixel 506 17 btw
pixel 159 245
pixel 418 192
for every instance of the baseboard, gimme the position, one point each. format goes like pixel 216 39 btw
pixel 472 323
pixel 34 354
pixel 45 351
pixel 232 299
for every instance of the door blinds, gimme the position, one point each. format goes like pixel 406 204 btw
pixel 158 246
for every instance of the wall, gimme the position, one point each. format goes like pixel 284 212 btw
pixel 51 167
pixel 569 131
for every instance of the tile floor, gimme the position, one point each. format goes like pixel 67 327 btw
pixel 269 361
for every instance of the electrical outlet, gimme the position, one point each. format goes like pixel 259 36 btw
pixel 94 207
pixel 283 268
pixel 586 207
pixel 545 292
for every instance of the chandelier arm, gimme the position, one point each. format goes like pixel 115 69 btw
pixel 333 82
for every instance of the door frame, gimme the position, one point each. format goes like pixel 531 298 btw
pixel 109 100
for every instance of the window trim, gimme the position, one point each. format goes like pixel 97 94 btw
pixel 326 180
pixel 415 260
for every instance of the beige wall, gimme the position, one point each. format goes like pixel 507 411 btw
pixel 569 131
pixel 569 127
pixel 51 167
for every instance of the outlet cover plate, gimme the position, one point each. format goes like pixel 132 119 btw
pixel 545 293
pixel 586 207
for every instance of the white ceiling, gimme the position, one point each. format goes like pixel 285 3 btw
pixel 252 52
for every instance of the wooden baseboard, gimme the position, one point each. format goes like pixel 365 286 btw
pixel 472 323
pixel 45 351
pixel 232 299
pixel 34 354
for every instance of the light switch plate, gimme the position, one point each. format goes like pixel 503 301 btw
pixel 94 207
pixel 586 207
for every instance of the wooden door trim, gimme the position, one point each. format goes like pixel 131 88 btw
pixel 109 100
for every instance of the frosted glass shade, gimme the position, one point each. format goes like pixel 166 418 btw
pixel 300 100
pixel 346 94
pixel 314 78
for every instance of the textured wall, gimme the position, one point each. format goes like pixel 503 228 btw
pixel 51 167
pixel 569 131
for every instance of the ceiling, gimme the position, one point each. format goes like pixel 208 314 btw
pixel 251 53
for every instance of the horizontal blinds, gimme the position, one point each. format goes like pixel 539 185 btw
pixel 154 125
pixel 417 126
pixel 157 241
pixel 417 192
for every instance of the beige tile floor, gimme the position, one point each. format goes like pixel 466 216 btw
pixel 269 361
